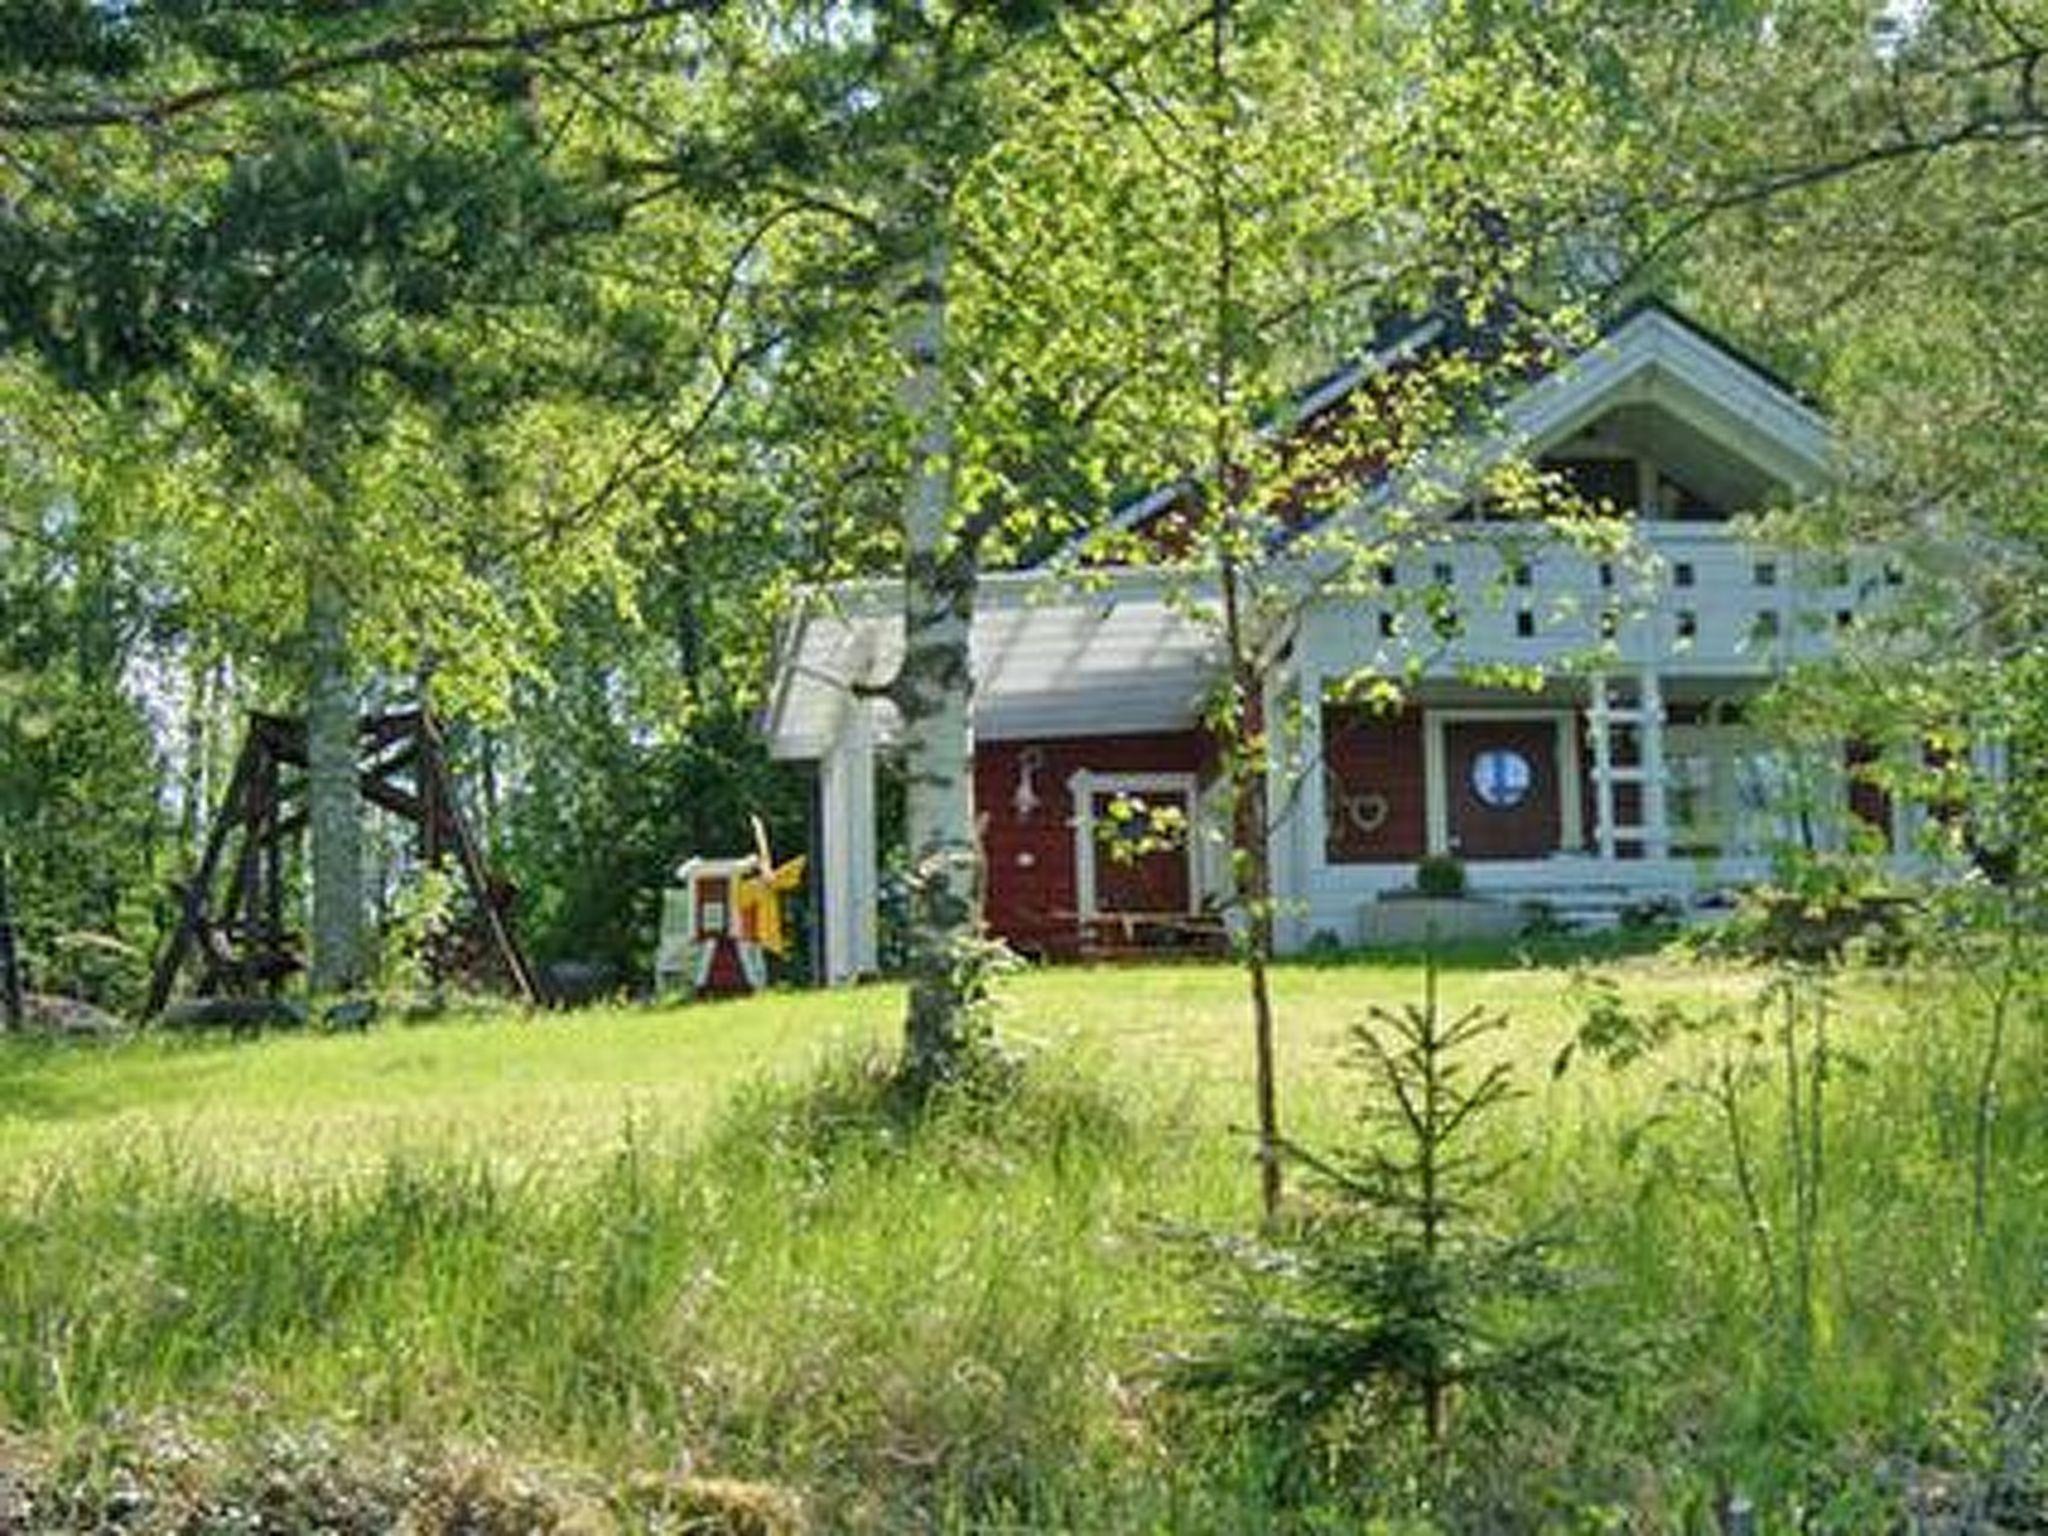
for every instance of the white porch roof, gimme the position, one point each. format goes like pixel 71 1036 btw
pixel 1121 656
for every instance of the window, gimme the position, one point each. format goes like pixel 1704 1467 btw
pixel 1689 783
pixel 1682 574
pixel 1610 485
pixel 1765 574
pixel 1501 778
pixel 1688 624
pixel 1682 504
pixel 1525 623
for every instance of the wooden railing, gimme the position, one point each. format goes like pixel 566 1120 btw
pixel 1693 597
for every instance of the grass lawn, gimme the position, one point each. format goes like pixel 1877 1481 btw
pixel 556 1087
pixel 626 1241
pixel 549 1086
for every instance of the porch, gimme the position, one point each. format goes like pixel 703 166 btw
pixel 1590 795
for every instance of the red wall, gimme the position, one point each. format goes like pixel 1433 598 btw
pixel 1368 752
pixel 1029 895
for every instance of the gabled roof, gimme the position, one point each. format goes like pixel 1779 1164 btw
pixel 1645 339
pixel 1652 353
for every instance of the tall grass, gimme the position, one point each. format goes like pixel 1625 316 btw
pixel 956 1322
pixel 894 1316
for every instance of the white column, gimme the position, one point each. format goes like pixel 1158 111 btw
pixel 1081 791
pixel 1436 791
pixel 1909 816
pixel 1283 810
pixel 1308 820
pixel 846 779
pixel 1656 804
pixel 1571 807
pixel 1312 814
pixel 1598 712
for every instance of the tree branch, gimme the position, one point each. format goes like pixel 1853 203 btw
pixel 75 116
pixel 2019 127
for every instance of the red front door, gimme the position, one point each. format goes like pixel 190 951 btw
pixel 1503 792
pixel 1128 880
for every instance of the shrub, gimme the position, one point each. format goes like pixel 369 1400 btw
pixel 1441 876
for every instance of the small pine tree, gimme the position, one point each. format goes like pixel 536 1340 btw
pixel 1388 1297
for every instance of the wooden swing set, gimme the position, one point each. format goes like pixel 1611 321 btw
pixel 231 913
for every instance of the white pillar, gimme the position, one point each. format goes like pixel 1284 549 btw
pixel 1571 803
pixel 1656 803
pixel 1309 822
pixel 1313 817
pixel 1081 791
pixel 846 780
pixel 1436 786
pixel 1284 801
pixel 1599 713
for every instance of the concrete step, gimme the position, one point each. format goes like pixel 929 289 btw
pixel 1594 909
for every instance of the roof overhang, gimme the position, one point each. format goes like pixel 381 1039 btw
pixel 1654 357
pixel 1109 653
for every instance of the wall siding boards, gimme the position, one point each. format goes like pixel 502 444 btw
pixel 1029 893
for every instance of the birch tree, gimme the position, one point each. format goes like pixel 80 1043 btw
pixel 908 159
pixel 1892 252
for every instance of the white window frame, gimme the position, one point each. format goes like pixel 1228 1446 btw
pixel 1085 784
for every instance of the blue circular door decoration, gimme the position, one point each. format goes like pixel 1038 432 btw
pixel 1501 777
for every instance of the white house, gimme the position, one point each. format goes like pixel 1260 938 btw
pixel 1630 773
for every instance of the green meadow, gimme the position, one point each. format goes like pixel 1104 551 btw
pixel 693 1250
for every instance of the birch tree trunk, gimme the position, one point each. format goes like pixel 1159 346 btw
pixel 1246 752
pixel 334 805
pixel 934 692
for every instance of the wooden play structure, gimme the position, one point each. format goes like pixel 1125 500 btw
pixel 231 914
pixel 722 920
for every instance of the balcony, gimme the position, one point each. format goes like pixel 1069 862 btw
pixel 1683 598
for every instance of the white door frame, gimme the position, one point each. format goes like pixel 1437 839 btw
pixel 1085 784
pixel 1436 789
